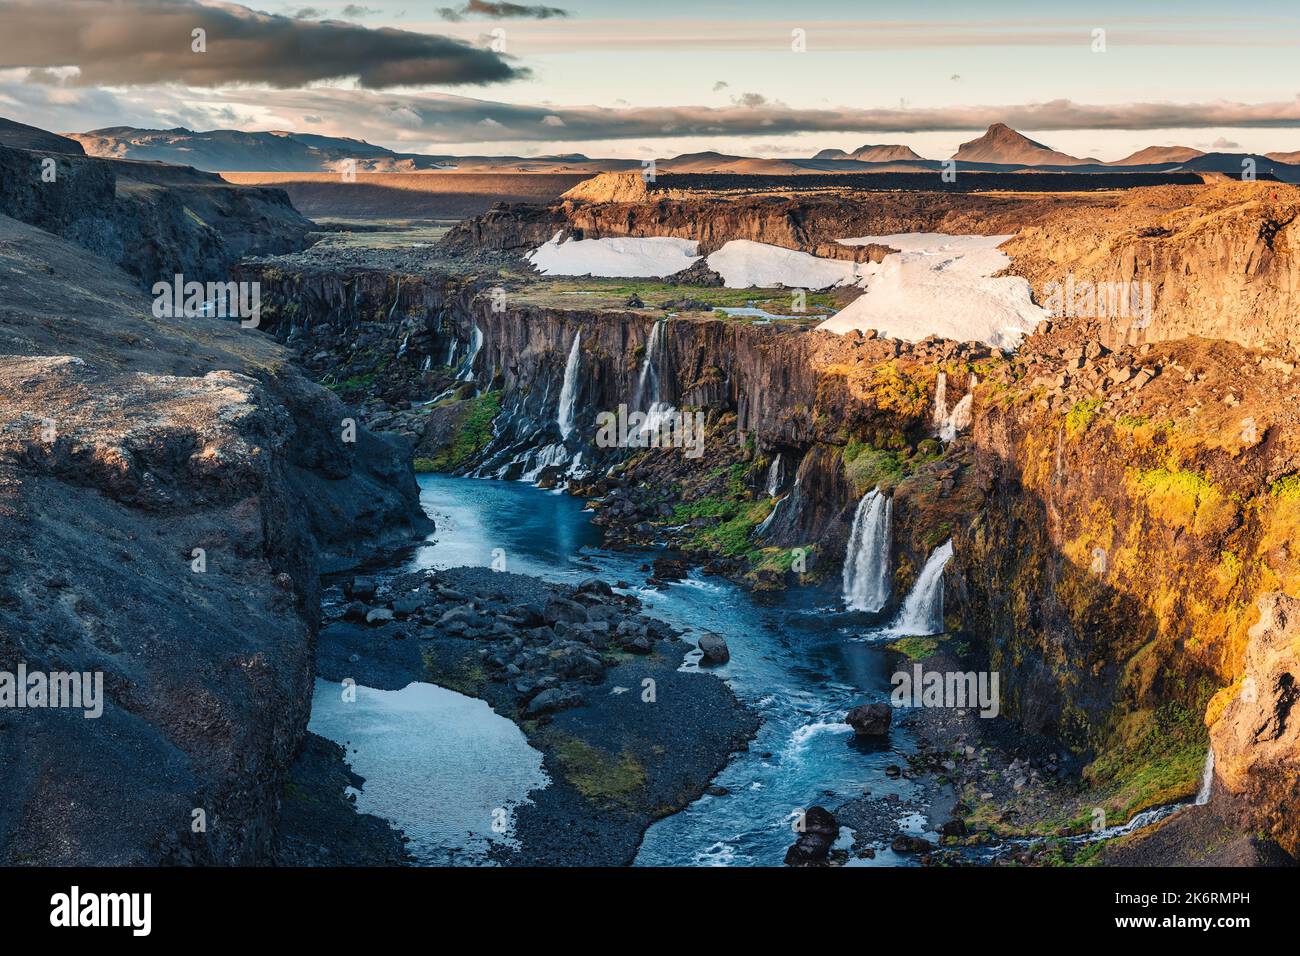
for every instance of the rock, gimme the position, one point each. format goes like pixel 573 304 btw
pixel 355 611
pixel 406 606
pixel 954 828
pixel 360 588
pixel 595 586
pixel 714 790
pixel 379 615
pixel 551 700
pixel 560 609
pixel 819 832
pixel 906 843
pixel 870 720
pixel 641 644
pixel 714 648
pixel 1256 739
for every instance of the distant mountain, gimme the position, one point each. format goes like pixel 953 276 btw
pixel 21 136
pixel 1154 155
pixel 1232 165
pixel 832 154
pixel 1284 157
pixel 1002 144
pixel 883 154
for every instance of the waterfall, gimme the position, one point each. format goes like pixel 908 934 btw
pixel 767 522
pixel 649 372
pixel 1207 779
pixel 959 419
pixel 775 475
pixel 569 391
pixel 922 612
pixel 866 561
pixel 402 348
pixel 451 353
pixel 467 367
pixel 428 363
pixel 940 415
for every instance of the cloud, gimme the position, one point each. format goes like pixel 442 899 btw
pixel 1224 143
pixel 355 11
pixel 308 13
pixel 501 11
pixel 446 118
pixel 720 85
pixel 142 42
pixel 750 100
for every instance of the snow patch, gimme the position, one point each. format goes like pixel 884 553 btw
pixel 645 258
pixel 944 285
pixel 744 264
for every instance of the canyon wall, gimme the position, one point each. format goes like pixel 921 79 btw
pixel 170 491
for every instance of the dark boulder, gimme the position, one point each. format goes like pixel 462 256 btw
pixel 818 832
pixel 870 720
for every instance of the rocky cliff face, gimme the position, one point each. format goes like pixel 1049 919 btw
pixel 1219 262
pixel 153 221
pixel 170 492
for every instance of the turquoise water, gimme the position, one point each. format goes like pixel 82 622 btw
pixel 796 659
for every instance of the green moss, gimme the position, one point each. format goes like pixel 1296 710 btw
pixel 1286 488
pixel 872 467
pixel 1186 500
pixel 917 648
pixel 422 465
pixel 1156 758
pixel 597 775
pixel 472 434
pixel 1080 416
pixel 467 677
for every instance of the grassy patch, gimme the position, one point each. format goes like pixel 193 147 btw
pixel 423 465
pixel 597 775
pixel 1081 415
pixel 472 434
pixel 869 467
pixel 1186 500
pixel 916 648
pixel 1286 488
pixel 467 677
pixel 1157 758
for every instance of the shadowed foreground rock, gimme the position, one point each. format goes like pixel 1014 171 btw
pixel 169 492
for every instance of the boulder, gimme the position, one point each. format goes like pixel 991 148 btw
pixel 818 831
pixel 560 609
pixel 360 588
pixel 379 615
pixel 906 843
pixel 714 648
pixel 870 720
pixel 551 700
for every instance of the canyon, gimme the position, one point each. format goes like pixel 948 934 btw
pixel 1106 511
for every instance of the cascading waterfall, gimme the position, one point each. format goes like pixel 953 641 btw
pixel 775 475
pixel 649 376
pixel 467 367
pixel 866 561
pixel 922 612
pixel 940 415
pixel 1207 780
pixel 569 391
pixel 428 363
pixel 401 349
pixel 959 419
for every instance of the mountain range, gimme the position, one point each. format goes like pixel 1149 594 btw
pixel 287 152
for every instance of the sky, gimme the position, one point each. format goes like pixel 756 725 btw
pixel 635 78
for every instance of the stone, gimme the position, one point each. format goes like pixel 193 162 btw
pixel 551 700
pixel 714 648
pixel 817 833
pixel 870 720
pixel 361 588
pixel 560 609
pixel 379 615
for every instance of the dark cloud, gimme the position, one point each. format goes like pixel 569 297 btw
pixel 140 42
pixel 500 11
pixel 354 11
pixel 308 13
